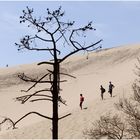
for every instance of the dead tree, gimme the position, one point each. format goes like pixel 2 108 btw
pixel 58 34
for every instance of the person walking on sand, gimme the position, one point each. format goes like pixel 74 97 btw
pixel 81 100
pixel 111 86
pixel 102 92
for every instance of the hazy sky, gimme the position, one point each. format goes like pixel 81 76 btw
pixel 117 23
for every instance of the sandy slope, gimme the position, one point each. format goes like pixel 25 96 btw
pixel 116 65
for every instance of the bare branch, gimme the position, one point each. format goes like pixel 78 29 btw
pixel 37 49
pixel 67 75
pixel 46 117
pixel 61 100
pixel 34 22
pixel 40 99
pixel 75 43
pixel 110 127
pixel 43 39
pixel 43 95
pixel 57 23
pixel 25 98
pixel 65 116
pixel 8 119
pixel 136 90
pixel 62 81
pixel 62 35
pixel 59 38
pixel 80 49
pixel 128 108
pixel 45 63
pixel 28 79
pixel 70 39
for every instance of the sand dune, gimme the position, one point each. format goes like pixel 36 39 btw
pixel 116 65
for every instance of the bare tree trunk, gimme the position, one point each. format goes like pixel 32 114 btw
pixel 55 93
pixel 55 102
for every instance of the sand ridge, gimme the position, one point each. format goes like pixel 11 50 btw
pixel 116 65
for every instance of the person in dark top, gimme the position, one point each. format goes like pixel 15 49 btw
pixel 111 86
pixel 102 92
pixel 81 100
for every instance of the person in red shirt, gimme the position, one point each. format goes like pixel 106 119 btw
pixel 81 100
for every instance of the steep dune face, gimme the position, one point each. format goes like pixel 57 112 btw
pixel 116 65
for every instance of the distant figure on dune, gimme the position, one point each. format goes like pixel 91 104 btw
pixel 102 92
pixel 111 86
pixel 81 100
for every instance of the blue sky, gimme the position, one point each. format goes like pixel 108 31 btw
pixel 117 23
